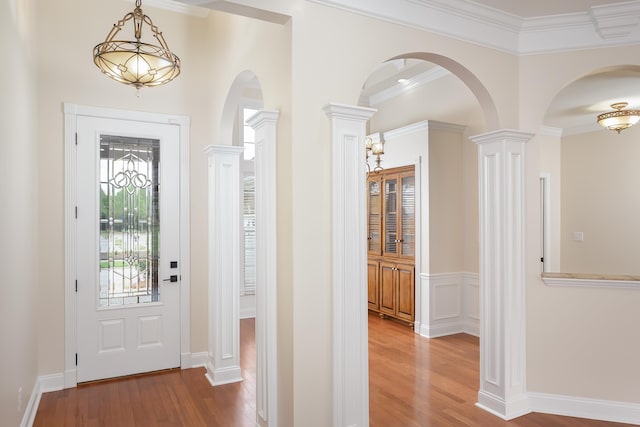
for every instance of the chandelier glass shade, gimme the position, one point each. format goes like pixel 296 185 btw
pixel 377 149
pixel 134 62
pixel 619 119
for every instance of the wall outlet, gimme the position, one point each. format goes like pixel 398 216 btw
pixel 20 399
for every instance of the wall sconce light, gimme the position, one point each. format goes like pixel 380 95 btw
pixel 376 148
pixel 619 119
pixel 134 62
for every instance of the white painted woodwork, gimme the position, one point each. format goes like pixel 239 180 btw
pixel 501 176
pixel 124 340
pixel 450 304
pixel 72 113
pixel 350 338
pixel 265 123
pixel 223 366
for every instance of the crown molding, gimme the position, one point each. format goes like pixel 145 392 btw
pixel 602 26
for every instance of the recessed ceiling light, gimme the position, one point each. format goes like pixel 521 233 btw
pixel 403 81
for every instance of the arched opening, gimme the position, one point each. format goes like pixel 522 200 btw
pixel 243 267
pixel 587 170
pixel 427 107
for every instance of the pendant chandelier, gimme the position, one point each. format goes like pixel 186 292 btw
pixel 134 62
pixel 619 119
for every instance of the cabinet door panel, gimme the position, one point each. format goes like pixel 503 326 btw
pixel 405 292
pixel 391 217
pixel 387 289
pixel 374 215
pixel 408 215
pixel 372 275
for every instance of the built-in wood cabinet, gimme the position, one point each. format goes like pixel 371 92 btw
pixel 391 242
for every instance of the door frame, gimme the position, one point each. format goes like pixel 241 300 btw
pixel 71 113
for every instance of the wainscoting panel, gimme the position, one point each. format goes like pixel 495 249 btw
pixel 451 305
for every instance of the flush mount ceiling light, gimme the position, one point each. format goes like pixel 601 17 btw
pixel 619 119
pixel 134 62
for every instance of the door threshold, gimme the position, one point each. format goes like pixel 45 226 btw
pixel 126 377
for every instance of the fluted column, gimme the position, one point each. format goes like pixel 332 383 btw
pixel 501 175
pixel 350 351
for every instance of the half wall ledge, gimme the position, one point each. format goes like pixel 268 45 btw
pixel 583 280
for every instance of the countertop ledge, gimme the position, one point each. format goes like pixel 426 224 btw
pixel 585 280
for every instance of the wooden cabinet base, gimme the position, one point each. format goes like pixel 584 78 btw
pixel 392 318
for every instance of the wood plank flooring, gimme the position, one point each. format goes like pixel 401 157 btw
pixel 413 382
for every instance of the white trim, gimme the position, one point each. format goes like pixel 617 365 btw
pixel 444 315
pixel 581 407
pixel 417 289
pixel 199 360
pixel 265 125
pixel 491 28
pixel 43 384
pixel 593 282
pixel 501 195
pixel 349 276
pixel 223 366
pixel 71 112
pixel 545 216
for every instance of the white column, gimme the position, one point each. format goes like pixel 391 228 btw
pixel 501 176
pixel 348 189
pixel 264 123
pixel 223 366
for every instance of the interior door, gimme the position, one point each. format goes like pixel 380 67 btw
pixel 128 270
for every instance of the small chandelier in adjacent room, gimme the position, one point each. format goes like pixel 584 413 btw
pixel 134 62
pixel 377 149
pixel 619 119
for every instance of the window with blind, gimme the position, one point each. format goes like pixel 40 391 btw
pixel 249 225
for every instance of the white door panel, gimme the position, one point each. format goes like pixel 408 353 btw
pixel 128 191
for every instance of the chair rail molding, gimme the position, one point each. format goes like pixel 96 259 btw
pixel 350 338
pixel 501 179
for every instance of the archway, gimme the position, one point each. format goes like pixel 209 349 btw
pixel 432 104
pixel 248 136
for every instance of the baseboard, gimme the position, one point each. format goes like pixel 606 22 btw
pixel 506 410
pixel 441 330
pixel 199 360
pixel 472 327
pixel 604 410
pixel 44 384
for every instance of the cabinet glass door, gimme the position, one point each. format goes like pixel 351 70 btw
pixel 374 222
pixel 408 216
pixel 391 216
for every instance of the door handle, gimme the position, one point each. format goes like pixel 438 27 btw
pixel 173 278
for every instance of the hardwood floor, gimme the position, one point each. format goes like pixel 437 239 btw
pixel 413 382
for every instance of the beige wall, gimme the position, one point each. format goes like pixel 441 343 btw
pixel 446 201
pixel 600 198
pixel 577 339
pixel 19 262
pixel 213 50
pixel 323 55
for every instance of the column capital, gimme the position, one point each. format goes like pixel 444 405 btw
pixel 263 117
pixel 502 135
pixel 343 111
pixel 222 149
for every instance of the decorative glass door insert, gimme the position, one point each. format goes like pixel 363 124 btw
pixel 129 221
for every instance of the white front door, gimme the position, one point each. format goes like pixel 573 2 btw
pixel 128 247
